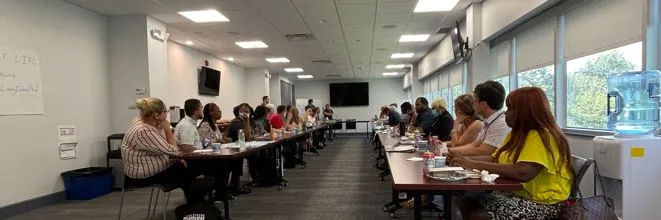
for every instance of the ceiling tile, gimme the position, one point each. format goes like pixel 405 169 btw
pixel 269 4
pixel 356 9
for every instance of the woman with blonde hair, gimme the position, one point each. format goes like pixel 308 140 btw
pixel 293 118
pixel 468 124
pixel 442 125
pixel 147 146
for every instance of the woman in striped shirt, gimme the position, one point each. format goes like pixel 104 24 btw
pixel 146 148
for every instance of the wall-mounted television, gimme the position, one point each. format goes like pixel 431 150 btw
pixel 457 43
pixel 208 81
pixel 349 94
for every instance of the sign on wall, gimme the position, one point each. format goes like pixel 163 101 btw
pixel 20 82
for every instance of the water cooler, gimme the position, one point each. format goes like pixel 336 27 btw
pixel 630 161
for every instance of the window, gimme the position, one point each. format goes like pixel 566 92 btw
pixel 542 78
pixel 586 83
pixel 454 93
pixel 505 81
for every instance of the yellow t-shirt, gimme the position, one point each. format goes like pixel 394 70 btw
pixel 551 185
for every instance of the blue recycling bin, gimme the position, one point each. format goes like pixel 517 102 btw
pixel 87 183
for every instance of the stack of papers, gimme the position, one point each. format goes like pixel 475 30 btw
pixel 445 169
pixel 402 148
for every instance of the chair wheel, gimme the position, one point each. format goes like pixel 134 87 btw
pixel 380 178
pixel 279 188
pixel 386 208
pixel 392 215
pixel 286 184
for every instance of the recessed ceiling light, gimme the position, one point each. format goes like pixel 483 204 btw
pixel 230 58
pixel 277 60
pixel 189 42
pixel 401 55
pixel 321 21
pixel 414 38
pixel 395 66
pixel 251 44
pixel 202 16
pixel 390 74
pixel 435 5
pixel 305 76
pixel 294 70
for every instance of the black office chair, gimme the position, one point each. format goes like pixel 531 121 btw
pixel 132 184
pixel 350 124
pixel 581 166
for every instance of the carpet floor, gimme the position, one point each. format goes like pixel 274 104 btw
pixel 341 183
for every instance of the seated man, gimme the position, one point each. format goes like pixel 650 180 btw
pixel 425 118
pixel 489 98
pixel 276 119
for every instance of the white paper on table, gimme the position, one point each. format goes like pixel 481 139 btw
pixel 445 169
pixel 203 151
pixel 67 150
pixel 415 159
pixel 402 148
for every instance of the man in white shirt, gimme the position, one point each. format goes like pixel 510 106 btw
pixel 186 132
pixel 489 100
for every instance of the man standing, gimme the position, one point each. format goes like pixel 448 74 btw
pixel 310 105
pixel 425 118
pixel 265 100
pixel 186 132
pixel 489 98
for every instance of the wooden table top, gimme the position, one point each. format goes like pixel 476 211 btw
pixel 236 153
pixel 409 175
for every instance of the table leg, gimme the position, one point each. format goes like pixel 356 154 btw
pixel 417 203
pixel 447 206
pixel 224 166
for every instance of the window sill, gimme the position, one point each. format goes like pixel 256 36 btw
pixel 587 132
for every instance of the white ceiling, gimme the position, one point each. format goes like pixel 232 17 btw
pixel 350 33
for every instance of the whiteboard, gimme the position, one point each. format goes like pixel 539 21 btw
pixel 20 82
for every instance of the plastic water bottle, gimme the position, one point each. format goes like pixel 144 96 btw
pixel 242 138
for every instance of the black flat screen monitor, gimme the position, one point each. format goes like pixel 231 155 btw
pixel 457 43
pixel 349 94
pixel 208 81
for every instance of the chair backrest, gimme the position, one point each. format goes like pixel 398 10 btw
pixel 350 124
pixel 581 166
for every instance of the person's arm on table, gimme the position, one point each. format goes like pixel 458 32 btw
pixel 519 171
pixel 473 149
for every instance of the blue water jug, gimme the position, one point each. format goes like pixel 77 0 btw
pixel 633 102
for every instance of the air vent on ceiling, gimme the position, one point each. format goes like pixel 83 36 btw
pixel 443 30
pixel 300 37
pixel 321 61
pixel 334 75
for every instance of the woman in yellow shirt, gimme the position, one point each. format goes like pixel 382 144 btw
pixel 536 153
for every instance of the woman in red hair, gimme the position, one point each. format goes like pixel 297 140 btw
pixel 536 153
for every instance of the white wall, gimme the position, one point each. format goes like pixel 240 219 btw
pixel 183 63
pixel 159 81
pixel 129 67
pixel 500 14
pixel 275 90
pixel 256 86
pixel 72 45
pixel 381 91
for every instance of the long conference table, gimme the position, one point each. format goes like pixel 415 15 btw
pixel 227 154
pixel 408 176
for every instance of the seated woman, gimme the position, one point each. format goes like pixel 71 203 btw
pixel 328 112
pixel 468 124
pixel 243 122
pixel 262 125
pixel 442 125
pixel 536 153
pixel 146 148
pixel 293 118
pixel 208 128
pixel 408 115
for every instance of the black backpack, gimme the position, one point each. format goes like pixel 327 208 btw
pixel 197 211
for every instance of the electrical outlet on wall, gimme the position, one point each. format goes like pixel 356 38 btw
pixel 140 91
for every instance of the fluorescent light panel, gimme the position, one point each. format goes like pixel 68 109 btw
pixel 203 16
pixel 414 38
pixel 189 42
pixel 251 44
pixel 277 60
pixel 401 55
pixel 435 5
pixel 230 58
pixel 305 76
pixel 395 66
pixel 294 70
pixel 390 74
